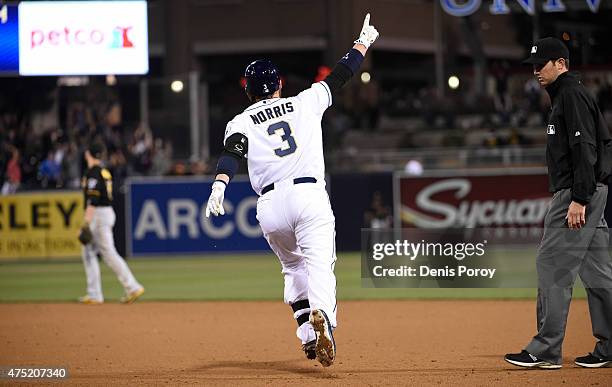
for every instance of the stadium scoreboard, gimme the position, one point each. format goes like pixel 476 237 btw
pixel 74 38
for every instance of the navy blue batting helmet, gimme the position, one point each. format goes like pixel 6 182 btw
pixel 262 78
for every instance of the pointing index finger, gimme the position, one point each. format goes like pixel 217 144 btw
pixel 366 21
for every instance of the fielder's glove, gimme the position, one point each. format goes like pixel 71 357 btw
pixel 368 33
pixel 85 235
pixel 215 201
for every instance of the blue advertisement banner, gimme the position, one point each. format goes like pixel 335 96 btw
pixel 168 217
pixel 9 39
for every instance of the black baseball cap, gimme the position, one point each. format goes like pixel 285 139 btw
pixel 546 49
pixel 96 149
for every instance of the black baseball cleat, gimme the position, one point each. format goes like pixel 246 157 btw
pixel 310 349
pixel 326 346
pixel 592 361
pixel 525 359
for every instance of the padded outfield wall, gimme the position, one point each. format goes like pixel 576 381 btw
pixel 164 215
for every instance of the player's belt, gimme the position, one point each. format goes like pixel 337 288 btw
pixel 297 180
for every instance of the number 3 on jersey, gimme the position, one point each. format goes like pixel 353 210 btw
pixel 285 136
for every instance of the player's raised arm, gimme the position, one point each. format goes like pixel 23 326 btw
pixel 349 64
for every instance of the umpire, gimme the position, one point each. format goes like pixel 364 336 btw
pixel 576 239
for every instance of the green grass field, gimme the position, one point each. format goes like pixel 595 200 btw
pixel 215 277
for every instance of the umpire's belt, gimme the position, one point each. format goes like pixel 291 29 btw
pixel 297 180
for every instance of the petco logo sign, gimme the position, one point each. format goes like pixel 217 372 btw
pixel 119 37
pixel 83 38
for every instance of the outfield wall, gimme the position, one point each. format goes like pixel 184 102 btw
pixel 40 225
pixel 165 215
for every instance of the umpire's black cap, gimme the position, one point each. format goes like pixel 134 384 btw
pixel 96 149
pixel 546 49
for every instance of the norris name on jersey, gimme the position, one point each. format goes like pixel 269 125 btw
pixel 271 113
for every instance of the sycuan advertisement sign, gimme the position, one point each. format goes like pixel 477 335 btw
pixel 470 200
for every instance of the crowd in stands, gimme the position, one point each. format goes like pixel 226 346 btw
pixel 53 158
pixel 509 100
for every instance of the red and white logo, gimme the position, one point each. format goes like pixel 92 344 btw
pixel 474 201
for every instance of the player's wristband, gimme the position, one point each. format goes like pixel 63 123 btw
pixel 227 164
pixel 220 181
pixel 352 60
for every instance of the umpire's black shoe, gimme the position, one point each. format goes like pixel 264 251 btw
pixel 310 349
pixel 592 361
pixel 525 359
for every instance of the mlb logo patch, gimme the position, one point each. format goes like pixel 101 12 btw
pixel 534 49
pixel 550 129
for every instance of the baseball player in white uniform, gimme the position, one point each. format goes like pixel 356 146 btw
pixel 99 221
pixel 283 139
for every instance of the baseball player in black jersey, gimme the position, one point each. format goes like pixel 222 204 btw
pixel 98 223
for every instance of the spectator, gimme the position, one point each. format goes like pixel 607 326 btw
pixel 141 150
pixel 71 166
pixel 502 100
pixel 13 174
pixel 50 171
pixel 118 165
pixel 162 158
pixel 379 215
pixel 199 168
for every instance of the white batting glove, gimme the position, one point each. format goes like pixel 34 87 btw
pixel 368 33
pixel 215 201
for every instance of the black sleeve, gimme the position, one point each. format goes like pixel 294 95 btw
pixel 236 148
pixel 346 67
pixel 582 135
pixel 584 157
pixel 237 144
pixel 338 77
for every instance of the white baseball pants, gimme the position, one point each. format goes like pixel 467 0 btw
pixel 102 230
pixel 299 225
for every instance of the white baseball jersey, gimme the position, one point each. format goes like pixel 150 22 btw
pixel 285 142
pixel 284 134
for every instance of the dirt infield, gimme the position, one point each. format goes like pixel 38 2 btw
pixel 379 343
